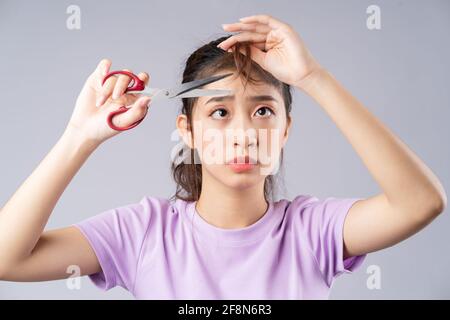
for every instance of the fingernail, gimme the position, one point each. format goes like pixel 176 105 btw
pixel 224 25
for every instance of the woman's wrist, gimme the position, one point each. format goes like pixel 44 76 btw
pixel 78 140
pixel 309 82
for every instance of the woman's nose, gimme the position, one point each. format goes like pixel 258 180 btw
pixel 243 133
pixel 244 140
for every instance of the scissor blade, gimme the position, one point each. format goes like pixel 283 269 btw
pixel 152 92
pixel 196 84
pixel 204 92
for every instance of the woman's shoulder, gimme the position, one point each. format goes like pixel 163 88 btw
pixel 162 210
pixel 308 207
pixel 144 209
pixel 303 201
pixel 158 205
pixel 297 202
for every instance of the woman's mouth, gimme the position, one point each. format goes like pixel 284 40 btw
pixel 241 164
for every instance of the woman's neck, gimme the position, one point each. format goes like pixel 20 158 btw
pixel 230 208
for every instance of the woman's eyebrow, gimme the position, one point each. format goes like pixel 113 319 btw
pixel 257 98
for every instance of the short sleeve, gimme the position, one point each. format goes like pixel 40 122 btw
pixel 116 236
pixel 321 224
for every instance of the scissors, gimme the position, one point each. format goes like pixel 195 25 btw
pixel 185 90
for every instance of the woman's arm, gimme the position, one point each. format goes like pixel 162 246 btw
pixel 28 254
pixel 25 215
pixel 412 195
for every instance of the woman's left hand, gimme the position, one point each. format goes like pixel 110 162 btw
pixel 275 46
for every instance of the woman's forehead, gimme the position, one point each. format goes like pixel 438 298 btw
pixel 240 89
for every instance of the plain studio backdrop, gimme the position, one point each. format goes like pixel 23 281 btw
pixel 399 72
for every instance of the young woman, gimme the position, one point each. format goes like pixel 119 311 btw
pixel 222 236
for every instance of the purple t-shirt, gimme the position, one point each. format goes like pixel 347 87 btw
pixel 162 249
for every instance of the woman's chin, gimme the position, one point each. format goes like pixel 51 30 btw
pixel 243 180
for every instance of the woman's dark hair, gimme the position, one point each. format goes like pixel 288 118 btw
pixel 204 62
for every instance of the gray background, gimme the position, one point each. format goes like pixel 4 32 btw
pixel 399 72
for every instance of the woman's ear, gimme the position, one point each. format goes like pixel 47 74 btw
pixel 288 128
pixel 183 130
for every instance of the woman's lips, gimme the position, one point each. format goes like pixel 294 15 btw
pixel 240 164
pixel 240 167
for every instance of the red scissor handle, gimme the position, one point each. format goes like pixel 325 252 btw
pixel 122 109
pixel 135 85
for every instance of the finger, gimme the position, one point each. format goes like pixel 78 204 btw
pixel 242 37
pixel 103 67
pixel 106 90
pixel 121 84
pixel 128 98
pixel 239 26
pixel 144 77
pixel 100 71
pixel 257 54
pixel 264 19
pixel 260 45
pixel 141 104
pixel 136 111
pixel 132 96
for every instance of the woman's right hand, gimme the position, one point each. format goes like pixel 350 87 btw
pixel 95 102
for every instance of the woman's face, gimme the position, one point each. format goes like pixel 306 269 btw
pixel 251 122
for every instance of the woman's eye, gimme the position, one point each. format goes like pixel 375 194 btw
pixel 266 111
pixel 219 113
